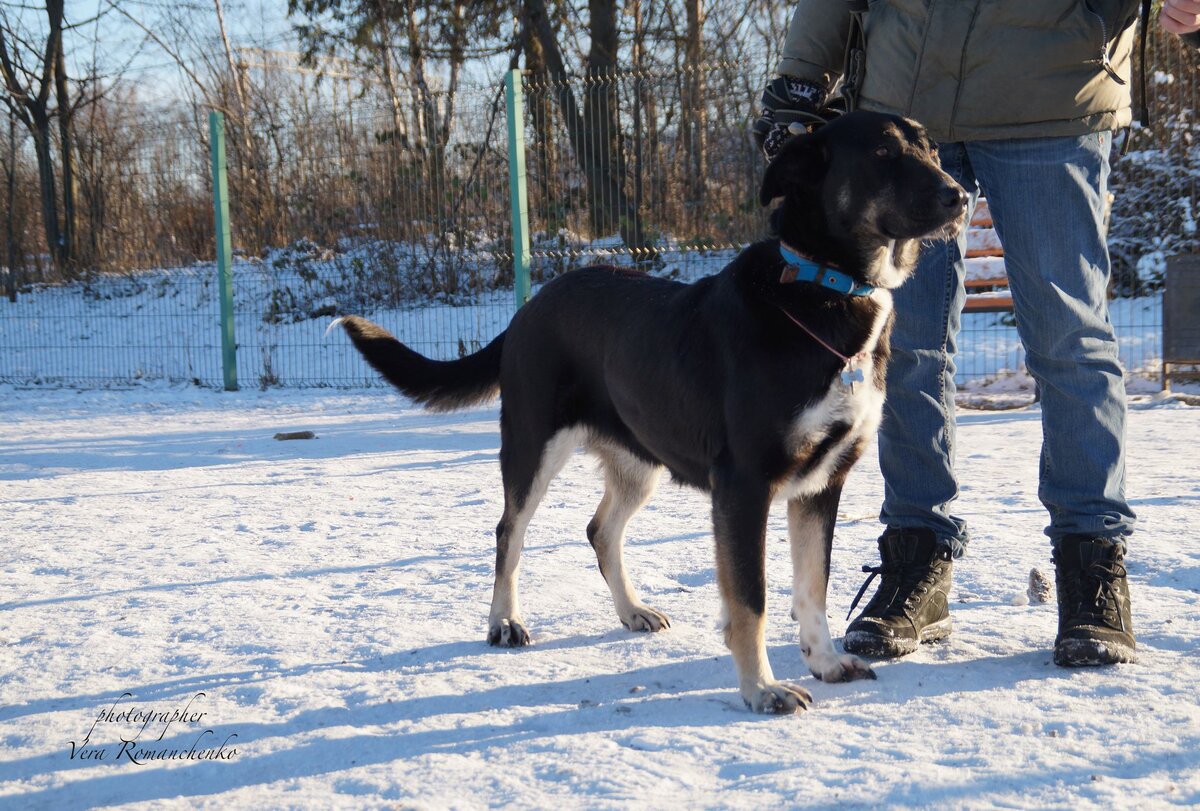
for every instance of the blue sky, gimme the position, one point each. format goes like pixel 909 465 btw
pixel 119 46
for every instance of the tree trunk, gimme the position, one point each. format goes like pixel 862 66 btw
pixel 10 229
pixel 426 116
pixel 68 263
pixel 457 47
pixel 33 110
pixel 694 119
pixel 46 182
pixel 609 209
pixel 384 45
pixel 434 169
pixel 639 100
pixel 539 105
pixel 593 132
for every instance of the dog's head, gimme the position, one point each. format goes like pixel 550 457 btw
pixel 862 192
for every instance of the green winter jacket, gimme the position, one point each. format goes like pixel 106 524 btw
pixel 979 69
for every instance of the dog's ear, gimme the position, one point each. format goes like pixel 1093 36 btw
pixel 799 164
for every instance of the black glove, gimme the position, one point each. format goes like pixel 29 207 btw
pixel 789 106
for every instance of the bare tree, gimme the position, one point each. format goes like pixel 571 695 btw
pixel 694 107
pixel 13 252
pixel 30 75
pixel 592 129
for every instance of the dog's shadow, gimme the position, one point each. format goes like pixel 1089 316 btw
pixel 626 705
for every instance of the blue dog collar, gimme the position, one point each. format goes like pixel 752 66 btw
pixel 800 269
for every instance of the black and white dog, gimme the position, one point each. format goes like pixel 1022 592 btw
pixel 761 383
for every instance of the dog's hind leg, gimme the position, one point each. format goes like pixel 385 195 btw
pixel 527 468
pixel 810 529
pixel 740 505
pixel 628 482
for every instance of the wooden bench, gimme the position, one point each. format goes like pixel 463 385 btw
pixel 987 281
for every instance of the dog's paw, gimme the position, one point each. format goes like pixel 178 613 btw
pixel 645 618
pixel 508 634
pixel 778 698
pixel 840 668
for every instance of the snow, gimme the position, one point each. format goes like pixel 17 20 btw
pixel 985 268
pixel 983 241
pixel 329 599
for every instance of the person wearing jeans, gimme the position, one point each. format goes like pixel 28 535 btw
pixel 1022 98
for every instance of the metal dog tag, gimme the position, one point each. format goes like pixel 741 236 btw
pixel 852 376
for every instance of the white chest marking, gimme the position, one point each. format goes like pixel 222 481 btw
pixel 860 406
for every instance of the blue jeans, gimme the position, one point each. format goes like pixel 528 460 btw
pixel 1047 198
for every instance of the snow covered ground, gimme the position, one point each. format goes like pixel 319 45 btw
pixel 323 604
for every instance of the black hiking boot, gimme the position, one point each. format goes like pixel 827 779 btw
pixel 911 605
pixel 1094 626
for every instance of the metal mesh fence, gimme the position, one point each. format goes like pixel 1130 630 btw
pixel 402 215
pixel 401 221
pixel 636 168
pixel 342 211
pixel 144 326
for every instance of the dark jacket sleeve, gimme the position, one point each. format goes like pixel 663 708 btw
pixel 816 41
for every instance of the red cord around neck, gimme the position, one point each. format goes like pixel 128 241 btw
pixel 846 360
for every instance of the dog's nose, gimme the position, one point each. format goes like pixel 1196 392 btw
pixel 952 197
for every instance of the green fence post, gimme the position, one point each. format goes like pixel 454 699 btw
pixel 216 130
pixel 516 185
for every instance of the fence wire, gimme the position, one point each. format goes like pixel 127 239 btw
pixel 635 168
pixel 402 215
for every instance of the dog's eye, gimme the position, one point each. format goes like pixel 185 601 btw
pixel 884 151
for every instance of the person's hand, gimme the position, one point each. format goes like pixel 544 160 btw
pixel 1180 16
pixel 788 105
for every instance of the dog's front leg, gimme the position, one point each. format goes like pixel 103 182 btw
pixel 810 530
pixel 740 505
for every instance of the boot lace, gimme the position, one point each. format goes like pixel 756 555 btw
pixel 914 583
pixel 1100 591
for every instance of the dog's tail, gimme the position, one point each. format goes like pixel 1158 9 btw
pixel 439 385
